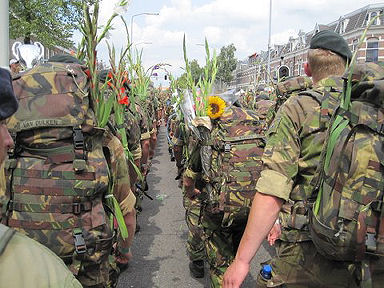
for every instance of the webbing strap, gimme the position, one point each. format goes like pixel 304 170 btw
pixel 243 138
pixel 51 174
pixel 338 125
pixel 69 208
pixel 44 225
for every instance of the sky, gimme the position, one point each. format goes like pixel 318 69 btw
pixel 242 22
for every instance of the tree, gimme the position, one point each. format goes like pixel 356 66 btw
pixel 196 70
pixel 226 63
pixel 182 82
pixel 50 22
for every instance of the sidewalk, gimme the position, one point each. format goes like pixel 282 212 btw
pixel 159 254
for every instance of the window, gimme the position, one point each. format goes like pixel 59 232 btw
pixel 372 53
pixel 372 15
pixel 354 45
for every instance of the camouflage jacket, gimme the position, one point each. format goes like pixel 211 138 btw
pixel 119 170
pixel 143 123
pixel 292 153
pixel 133 134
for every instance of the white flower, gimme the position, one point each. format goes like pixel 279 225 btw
pixel 121 7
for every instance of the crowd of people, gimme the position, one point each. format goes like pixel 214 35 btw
pixel 263 168
pixel 285 165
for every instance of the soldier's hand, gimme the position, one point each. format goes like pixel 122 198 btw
pixel 235 274
pixel 274 234
pixel 123 255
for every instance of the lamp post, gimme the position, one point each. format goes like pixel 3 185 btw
pixel 145 13
pixel 269 42
pixel 143 43
pixel 4 33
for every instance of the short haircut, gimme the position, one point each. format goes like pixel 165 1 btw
pixel 325 63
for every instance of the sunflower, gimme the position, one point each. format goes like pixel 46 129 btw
pixel 216 107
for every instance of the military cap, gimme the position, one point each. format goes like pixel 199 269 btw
pixel 8 102
pixel 332 41
pixel 64 58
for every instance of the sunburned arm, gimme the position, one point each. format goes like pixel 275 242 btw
pixel 265 209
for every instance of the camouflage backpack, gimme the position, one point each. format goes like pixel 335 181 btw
pixel 231 173
pixel 286 89
pixel 347 220
pixel 57 175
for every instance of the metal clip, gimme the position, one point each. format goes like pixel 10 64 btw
pixel 370 242
pixel 80 246
pixel 227 147
pixel 78 139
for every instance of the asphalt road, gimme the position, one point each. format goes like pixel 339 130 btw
pixel 159 254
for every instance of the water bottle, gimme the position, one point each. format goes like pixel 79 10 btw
pixel 266 272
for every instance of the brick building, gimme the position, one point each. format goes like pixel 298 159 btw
pixel 289 58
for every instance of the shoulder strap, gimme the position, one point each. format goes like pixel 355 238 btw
pixel 6 235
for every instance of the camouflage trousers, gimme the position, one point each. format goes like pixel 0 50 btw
pixel 221 243
pixel 299 265
pixel 195 244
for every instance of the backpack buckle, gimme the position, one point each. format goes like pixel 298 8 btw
pixel 80 246
pixel 370 242
pixel 78 139
pixel 227 147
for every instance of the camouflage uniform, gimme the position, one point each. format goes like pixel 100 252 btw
pixel 133 134
pixel 119 170
pixel 143 123
pixel 26 263
pixel 292 154
pixel 223 229
pixel 195 245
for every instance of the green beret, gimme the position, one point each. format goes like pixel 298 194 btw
pixel 332 41
pixel 64 58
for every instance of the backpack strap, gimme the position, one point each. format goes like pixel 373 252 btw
pixel 6 235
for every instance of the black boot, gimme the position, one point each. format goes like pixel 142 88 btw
pixel 197 268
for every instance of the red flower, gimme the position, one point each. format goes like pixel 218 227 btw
pixel 124 101
pixel 122 90
pixel 88 72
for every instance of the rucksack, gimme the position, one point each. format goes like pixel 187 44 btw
pixel 232 170
pixel 57 175
pixel 347 220
pixel 286 89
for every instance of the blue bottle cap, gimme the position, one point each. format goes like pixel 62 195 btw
pixel 267 268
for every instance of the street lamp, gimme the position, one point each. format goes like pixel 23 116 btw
pixel 145 13
pixel 4 33
pixel 143 43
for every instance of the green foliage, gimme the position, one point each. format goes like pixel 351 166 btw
pixel 196 70
pixel 226 63
pixel 182 82
pixel 50 22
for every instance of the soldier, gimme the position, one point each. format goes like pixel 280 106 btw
pixel 23 261
pixel 14 66
pixel 221 172
pixel 292 154
pixel 78 245
pixel 195 245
